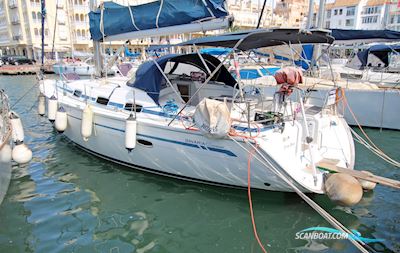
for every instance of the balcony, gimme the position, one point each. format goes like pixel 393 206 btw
pixel 13 4
pixel 81 39
pixel 17 37
pixel 81 8
pixel 81 24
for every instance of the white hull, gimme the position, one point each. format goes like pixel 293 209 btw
pixel 81 70
pixel 186 154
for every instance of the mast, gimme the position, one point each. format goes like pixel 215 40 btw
pixel 43 11
pixel 321 16
pixel 98 63
pixel 310 14
pixel 54 32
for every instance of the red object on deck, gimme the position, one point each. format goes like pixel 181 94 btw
pixel 289 75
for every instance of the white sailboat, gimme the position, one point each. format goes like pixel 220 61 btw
pixel 5 148
pixel 185 116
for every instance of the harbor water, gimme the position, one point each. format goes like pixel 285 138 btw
pixel 66 200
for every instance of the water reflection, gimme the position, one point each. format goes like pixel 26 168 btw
pixel 69 201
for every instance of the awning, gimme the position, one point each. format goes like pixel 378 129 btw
pixel 263 38
pixel 149 78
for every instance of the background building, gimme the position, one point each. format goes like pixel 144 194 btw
pixel 67 22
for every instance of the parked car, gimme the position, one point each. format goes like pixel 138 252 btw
pixel 5 60
pixel 20 60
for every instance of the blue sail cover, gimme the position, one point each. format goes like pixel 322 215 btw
pixel 342 34
pixel 381 51
pixel 117 18
pixel 149 78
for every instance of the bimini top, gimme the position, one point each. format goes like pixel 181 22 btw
pixel 263 38
pixel 381 51
pixel 351 36
pixel 119 19
pixel 149 78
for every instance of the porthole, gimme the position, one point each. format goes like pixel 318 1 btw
pixel 102 101
pixel 145 143
pixel 77 93
pixel 128 107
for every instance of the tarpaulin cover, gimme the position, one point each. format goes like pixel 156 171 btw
pixel 342 34
pixel 149 78
pixel 380 51
pixel 262 38
pixel 117 18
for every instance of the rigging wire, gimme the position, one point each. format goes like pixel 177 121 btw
pixel 329 218
pixel 261 14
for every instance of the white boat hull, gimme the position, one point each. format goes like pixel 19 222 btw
pixel 88 70
pixel 372 108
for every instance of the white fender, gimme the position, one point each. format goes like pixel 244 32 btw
pixel 17 128
pixel 87 123
pixel 130 133
pixel 52 108
pixel 61 122
pixel 5 154
pixel 42 104
pixel 21 153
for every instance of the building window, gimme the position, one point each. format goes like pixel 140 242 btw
pixel 328 13
pixel 335 12
pixel 349 22
pixel 350 11
pixel 33 15
pixel 36 31
pixel 340 22
pixel 372 10
pixel 398 19
pixel 327 24
pixel 369 19
pixel 340 11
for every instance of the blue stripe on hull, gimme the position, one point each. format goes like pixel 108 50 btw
pixel 218 150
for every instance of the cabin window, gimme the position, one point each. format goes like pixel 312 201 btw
pixel 102 101
pixel 145 143
pixel 185 91
pixel 128 107
pixel 77 93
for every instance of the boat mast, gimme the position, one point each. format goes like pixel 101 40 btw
pixel 43 11
pixel 321 16
pixel 96 46
pixel 54 32
pixel 310 14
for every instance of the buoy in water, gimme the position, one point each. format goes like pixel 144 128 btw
pixel 17 128
pixel 21 153
pixel 52 108
pixel 343 189
pixel 42 104
pixel 87 123
pixel 61 121
pixel 367 185
pixel 130 133
pixel 5 154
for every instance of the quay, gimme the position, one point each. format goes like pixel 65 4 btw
pixel 19 70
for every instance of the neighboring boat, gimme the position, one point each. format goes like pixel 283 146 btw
pixel 5 149
pixel 81 68
pixel 377 64
pixel 185 116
